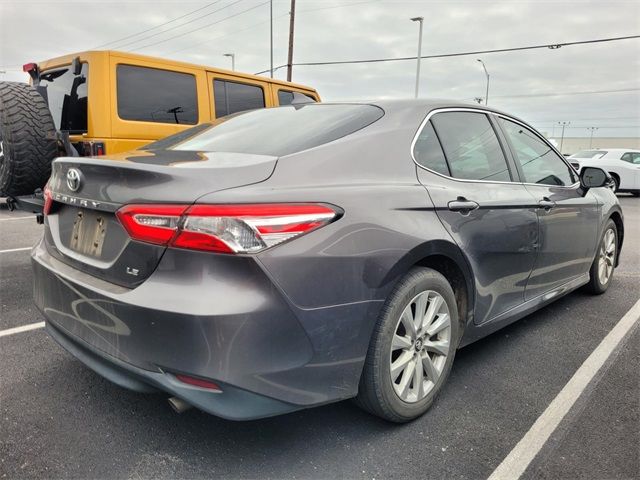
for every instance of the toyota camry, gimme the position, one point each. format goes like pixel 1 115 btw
pixel 290 257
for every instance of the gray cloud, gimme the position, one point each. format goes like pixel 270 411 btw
pixel 36 30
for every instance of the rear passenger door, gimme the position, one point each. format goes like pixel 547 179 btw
pixel 477 195
pixel 569 220
pixel 235 94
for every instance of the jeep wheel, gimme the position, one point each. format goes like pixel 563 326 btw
pixel 27 139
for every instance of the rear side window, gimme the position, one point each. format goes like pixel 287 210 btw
pixel 471 146
pixel 285 97
pixel 66 95
pixel 154 95
pixel 282 131
pixel 233 97
pixel 538 161
pixel 427 151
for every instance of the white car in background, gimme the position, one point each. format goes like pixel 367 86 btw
pixel 623 165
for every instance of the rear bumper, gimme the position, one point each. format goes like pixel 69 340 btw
pixel 232 404
pixel 212 316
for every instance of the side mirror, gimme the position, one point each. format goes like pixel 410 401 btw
pixel 76 66
pixel 593 177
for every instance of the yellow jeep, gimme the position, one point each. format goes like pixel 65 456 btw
pixel 106 102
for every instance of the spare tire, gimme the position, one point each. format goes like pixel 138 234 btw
pixel 27 139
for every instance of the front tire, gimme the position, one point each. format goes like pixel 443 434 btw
pixel 603 265
pixel 412 349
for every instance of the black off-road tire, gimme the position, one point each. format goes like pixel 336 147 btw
pixel 376 393
pixel 27 133
pixel 595 285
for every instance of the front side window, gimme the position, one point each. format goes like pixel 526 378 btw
pixel 631 157
pixel 471 146
pixel 427 151
pixel 66 95
pixel 233 97
pixel 539 162
pixel 154 95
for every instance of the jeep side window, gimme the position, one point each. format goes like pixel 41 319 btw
pixel 539 162
pixel 428 152
pixel 471 146
pixel 285 97
pixel 233 97
pixel 153 95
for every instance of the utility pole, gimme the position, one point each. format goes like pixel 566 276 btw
pixel 593 129
pixel 292 18
pixel 271 33
pixel 419 20
pixel 563 124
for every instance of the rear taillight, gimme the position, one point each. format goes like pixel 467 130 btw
pixel 94 149
pixel 223 228
pixel 48 199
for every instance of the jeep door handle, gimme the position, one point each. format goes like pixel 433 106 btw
pixel 462 205
pixel 546 204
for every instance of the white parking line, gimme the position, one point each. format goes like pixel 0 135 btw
pixel 16 218
pixel 22 249
pixel 23 328
pixel 514 465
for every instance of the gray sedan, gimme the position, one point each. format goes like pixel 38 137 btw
pixel 285 258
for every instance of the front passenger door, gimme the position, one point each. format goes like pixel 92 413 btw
pixel 568 219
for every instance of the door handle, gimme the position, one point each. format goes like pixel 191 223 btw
pixel 546 203
pixel 462 205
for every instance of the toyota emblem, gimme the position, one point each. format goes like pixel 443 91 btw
pixel 73 179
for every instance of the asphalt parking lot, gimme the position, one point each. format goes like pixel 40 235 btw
pixel 58 419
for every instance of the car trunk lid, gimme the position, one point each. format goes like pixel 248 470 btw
pixel 82 229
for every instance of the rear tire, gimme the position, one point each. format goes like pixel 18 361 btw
pixel 384 391
pixel 27 136
pixel 603 265
pixel 616 182
pixel 636 193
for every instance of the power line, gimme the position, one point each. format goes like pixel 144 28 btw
pixel 202 27
pixel 562 94
pixel 552 46
pixel 181 25
pixel 157 26
pixel 250 27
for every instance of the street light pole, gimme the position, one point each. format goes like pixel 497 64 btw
pixel 563 124
pixel 486 96
pixel 420 20
pixel 233 59
pixel 271 33
pixel 591 136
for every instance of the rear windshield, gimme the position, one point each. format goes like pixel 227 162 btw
pixel 282 131
pixel 590 154
pixel 66 95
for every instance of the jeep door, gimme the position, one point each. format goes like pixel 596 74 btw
pixel 480 201
pixel 569 219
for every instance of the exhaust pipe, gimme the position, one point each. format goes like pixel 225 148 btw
pixel 179 405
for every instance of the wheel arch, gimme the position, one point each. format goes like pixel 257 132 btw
pixel 446 258
pixel 617 219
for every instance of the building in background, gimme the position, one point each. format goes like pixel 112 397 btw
pixel 571 145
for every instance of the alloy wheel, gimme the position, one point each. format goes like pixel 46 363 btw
pixel 420 346
pixel 607 256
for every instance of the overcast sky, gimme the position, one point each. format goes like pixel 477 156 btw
pixel 329 30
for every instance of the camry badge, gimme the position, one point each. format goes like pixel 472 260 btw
pixel 73 179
